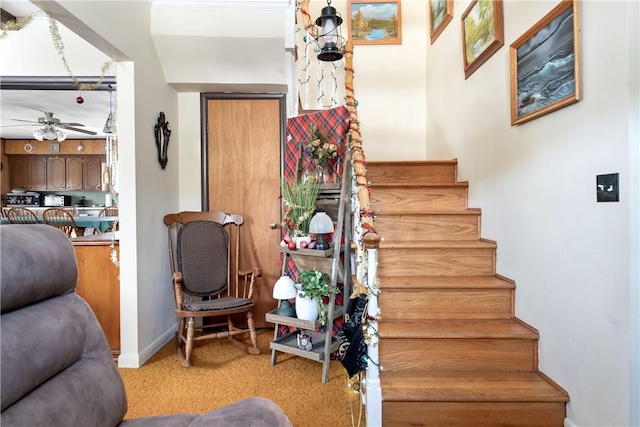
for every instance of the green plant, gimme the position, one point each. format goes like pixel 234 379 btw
pixel 299 197
pixel 316 285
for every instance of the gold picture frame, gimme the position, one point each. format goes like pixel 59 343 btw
pixel 545 65
pixel 374 22
pixel 482 33
pixel 440 14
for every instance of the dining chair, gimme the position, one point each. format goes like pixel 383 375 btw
pixel 110 211
pixel 62 220
pixel 71 209
pixel 22 216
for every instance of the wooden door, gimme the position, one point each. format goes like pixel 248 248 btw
pixel 241 174
pixel 56 173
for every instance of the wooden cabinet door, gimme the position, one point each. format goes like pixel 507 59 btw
pixel 92 173
pixel 37 171
pixel 98 284
pixel 18 172
pixel 243 155
pixel 56 173
pixel 74 179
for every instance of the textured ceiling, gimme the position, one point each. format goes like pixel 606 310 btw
pixel 31 104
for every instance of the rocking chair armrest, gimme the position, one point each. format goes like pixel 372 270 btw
pixel 177 277
pixel 257 272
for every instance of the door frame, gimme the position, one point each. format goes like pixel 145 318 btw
pixel 204 149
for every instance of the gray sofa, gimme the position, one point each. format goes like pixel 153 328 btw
pixel 56 366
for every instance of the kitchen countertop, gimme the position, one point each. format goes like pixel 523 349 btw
pixel 101 239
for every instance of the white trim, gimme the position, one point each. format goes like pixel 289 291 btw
pixel 136 361
pixel 569 423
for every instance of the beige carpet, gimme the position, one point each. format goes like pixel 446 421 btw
pixel 221 374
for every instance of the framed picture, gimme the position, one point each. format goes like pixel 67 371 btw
pixel 440 14
pixel 374 22
pixel 545 65
pixel 482 33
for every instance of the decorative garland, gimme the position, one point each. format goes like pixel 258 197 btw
pixel 20 23
pixel 363 221
pixel 16 24
pixel 59 45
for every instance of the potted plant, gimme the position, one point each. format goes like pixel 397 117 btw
pixel 299 199
pixel 315 285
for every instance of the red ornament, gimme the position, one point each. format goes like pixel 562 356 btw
pixel 79 100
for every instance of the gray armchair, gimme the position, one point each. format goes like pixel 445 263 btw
pixel 56 366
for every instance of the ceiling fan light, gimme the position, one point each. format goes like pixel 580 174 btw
pixel 49 133
pixel 38 134
pixel 60 136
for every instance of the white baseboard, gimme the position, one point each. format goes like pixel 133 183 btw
pixel 569 423
pixel 137 360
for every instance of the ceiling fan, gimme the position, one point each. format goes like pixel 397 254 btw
pixel 50 127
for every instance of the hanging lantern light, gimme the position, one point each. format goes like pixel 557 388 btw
pixel 329 39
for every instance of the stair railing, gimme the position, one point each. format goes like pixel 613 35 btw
pixel 365 238
pixel 368 241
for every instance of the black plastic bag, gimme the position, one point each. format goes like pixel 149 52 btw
pixel 352 351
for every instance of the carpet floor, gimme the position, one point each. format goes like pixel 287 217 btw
pixel 221 374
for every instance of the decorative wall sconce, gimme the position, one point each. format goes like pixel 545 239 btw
pixel 162 133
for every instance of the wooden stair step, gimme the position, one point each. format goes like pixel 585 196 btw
pixel 457 328
pixel 446 282
pixel 445 297
pixel 469 387
pixel 418 198
pixel 414 171
pixel 453 225
pixel 437 244
pixel 446 258
pixel 502 345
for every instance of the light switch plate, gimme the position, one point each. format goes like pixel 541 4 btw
pixel 607 188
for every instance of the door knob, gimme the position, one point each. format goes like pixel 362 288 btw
pixel 273 225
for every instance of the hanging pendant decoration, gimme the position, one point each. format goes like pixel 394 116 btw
pixel 162 134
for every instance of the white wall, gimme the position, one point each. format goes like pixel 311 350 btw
pixel 389 86
pixel 535 184
pixel 147 192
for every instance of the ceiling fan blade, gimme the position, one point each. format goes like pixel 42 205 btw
pixel 28 121
pixel 70 124
pixel 13 126
pixel 88 132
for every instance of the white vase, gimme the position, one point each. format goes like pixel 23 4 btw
pixel 306 308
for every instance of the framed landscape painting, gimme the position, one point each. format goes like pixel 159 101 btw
pixel 374 22
pixel 482 33
pixel 544 65
pixel 440 14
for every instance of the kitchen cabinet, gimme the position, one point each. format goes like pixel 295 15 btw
pixel 73 178
pixel 56 173
pixel 92 173
pixel 98 282
pixel 27 172
pixel 71 173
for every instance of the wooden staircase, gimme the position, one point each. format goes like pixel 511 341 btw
pixel 453 352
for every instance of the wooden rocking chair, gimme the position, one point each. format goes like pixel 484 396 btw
pixel 207 281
